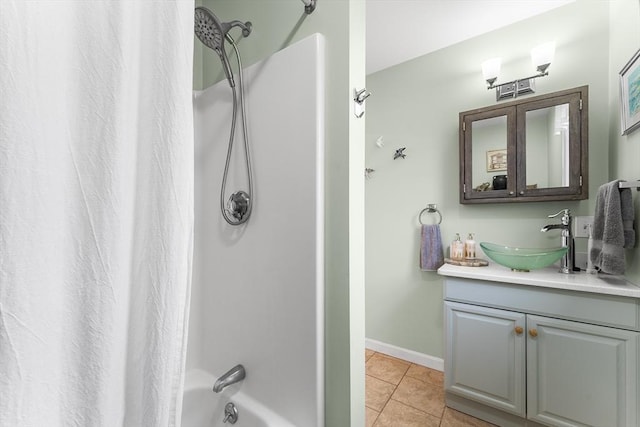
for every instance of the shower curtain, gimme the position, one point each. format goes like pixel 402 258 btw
pixel 96 210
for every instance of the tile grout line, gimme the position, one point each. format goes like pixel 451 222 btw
pixel 440 419
pixel 395 387
pixel 408 404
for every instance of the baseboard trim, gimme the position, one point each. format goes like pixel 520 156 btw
pixel 405 354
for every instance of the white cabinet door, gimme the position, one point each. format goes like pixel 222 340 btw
pixel 580 374
pixel 485 355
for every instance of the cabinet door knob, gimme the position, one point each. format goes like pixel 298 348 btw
pixel 519 330
pixel 511 193
pixel 522 193
pixel 533 332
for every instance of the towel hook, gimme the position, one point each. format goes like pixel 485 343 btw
pixel 431 208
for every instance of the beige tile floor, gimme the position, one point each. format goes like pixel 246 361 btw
pixel 403 394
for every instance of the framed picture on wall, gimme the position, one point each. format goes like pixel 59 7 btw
pixel 630 95
pixel 496 160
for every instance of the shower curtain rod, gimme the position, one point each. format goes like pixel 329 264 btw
pixel 309 6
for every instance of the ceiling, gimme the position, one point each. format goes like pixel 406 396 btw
pixel 399 30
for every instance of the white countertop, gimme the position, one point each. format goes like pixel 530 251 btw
pixel 547 278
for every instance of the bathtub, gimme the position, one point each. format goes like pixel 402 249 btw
pixel 201 407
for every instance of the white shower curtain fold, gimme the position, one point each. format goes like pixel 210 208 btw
pixel 96 211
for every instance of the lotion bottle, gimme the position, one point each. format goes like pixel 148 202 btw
pixel 470 247
pixel 457 248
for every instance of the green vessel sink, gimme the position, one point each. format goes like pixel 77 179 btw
pixel 522 259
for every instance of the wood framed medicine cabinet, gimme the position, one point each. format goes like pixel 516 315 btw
pixel 527 150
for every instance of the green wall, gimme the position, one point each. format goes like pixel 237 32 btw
pixel 624 160
pixel 276 25
pixel 416 105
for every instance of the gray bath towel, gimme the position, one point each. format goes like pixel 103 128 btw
pixel 612 228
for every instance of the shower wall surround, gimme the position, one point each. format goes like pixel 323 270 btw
pixel 257 296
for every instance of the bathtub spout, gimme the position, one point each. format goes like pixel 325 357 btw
pixel 232 376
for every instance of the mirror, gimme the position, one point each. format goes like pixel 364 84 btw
pixel 489 137
pixel 547 136
pixel 534 149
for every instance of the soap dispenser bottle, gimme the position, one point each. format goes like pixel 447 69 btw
pixel 470 247
pixel 457 248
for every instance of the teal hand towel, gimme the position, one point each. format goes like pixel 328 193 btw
pixel 431 253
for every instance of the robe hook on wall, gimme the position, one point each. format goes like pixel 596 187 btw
pixel 359 96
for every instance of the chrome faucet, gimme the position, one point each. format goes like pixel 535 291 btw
pixel 566 263
pixel 232 376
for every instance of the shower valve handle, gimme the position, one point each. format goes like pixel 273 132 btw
pixel 238 204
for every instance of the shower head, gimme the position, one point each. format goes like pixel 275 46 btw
pixel 212 33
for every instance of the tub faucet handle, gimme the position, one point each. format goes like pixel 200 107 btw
pixel 230 413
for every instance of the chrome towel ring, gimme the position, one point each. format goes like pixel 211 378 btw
pixel 431 208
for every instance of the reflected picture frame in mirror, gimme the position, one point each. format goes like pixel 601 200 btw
pixel 496 160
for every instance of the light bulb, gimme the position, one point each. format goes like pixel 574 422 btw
pixel 542 56
pixel 491 69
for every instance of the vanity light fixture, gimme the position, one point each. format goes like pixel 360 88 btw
pixel 541 56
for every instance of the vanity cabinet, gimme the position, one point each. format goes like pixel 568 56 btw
pixel 581 374
pixel 532 149
pixel 486 356
pixel 524 356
